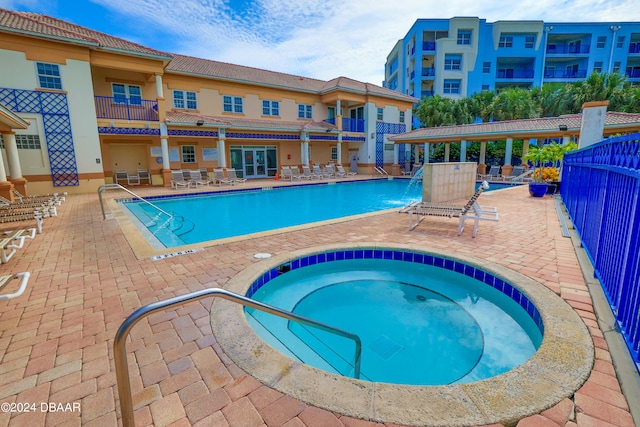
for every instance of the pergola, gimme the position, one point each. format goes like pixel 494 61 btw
pixel 564 127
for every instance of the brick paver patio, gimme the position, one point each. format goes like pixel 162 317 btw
pixel 56 340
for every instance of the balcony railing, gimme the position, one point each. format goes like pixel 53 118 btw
pixel 428 72
pixel 429 46
pixel 567 48
pixel 412 75
pixel 565 74
pixel 634 48
pixel 426 93
pixel 352 125
pixel 633 74
pixel 514 74
pixel 123 109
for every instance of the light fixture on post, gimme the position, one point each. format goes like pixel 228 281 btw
pixel 563 128
pixel 199 122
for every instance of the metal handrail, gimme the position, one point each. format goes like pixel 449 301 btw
pixel 381 171
pixel 118 186
pixel 120 346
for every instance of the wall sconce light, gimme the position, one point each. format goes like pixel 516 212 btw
pixel 373 135
pixel 563 127
pixel 328 130
pixel 199 122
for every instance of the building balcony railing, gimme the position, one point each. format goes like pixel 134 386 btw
pixel 349 125
pixel 412 75
pixel 428 72
pixel 108 107
pixel 431 46
pixel 565 74
pixel 633 74
pixel 426 93
pixel 634 48
pixel 514 74
pixel 567 48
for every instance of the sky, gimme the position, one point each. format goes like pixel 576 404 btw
pixel 321 39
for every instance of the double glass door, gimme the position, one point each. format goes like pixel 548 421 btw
pixel 254 162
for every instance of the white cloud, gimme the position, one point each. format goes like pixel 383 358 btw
pixel 318 38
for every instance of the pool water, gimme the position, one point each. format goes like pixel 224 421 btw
pixel 419 324
pixel 200 218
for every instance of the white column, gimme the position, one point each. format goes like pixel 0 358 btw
pixel 463 151
pixel 3 173
pixel 426 153
pixel 447 151
pixel 507 152
pixel 304 147
pixel 396 153
pixel 13 160
pixel 339 146
pixel 222 154
pixel 159 88
pixel 566 139
pixel 164 146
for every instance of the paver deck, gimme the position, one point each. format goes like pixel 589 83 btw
pixel 56 340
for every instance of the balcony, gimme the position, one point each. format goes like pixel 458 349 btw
pixel 567 48
pixel 514 74
pixel 565 74
pixel 429 46
pixel 412 75
pixel 633 73
pixel 428 72
pixel 125 109
pixel 426 94
pixel 349 125
pixel 634 48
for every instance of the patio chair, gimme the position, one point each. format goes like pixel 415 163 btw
pixel 493 175
pixel 14 215
pixel 306 172
pixel 331 171
pixel 186 174
pixel 143 174
pixel 12 240
pixel 233 176
pixel 204 174
pixel 286 173
pixel 219 178
pixel 6 280
pixel 295 174
pixel 319 172
pixel 341 169
pixel 121 175
pixel 470 211
pixel 178 181
pixel 196 179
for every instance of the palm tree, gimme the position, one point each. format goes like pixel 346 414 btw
pixel 597 87
pixel 437 111
pixel 512 104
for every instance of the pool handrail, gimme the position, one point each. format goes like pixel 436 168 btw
pixel 120 187
pixel 120 342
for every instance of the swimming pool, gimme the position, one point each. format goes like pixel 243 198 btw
pixel 425 324
pixel 211 216
pixel 555 371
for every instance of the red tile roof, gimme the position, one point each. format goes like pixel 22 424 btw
pixel 512 128
pixel 190 119
pixel 49 27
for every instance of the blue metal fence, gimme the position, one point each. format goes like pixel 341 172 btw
pixel 601 191
pixel 108 107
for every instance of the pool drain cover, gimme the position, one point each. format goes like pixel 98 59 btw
pixel 384 347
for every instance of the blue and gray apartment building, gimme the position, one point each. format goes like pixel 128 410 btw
pixel 460 56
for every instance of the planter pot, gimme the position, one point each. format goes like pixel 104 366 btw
pixel 538 189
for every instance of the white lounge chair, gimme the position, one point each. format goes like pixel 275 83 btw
pixel 178 181
pixel 143 174
pixel 319 172
pixel 196 179
pixel 493 175
pixel 341 170
pixel 470 211
pixel 6 280
pixel 219 178
pixel 12 240
pixel 307 174
pixel 295 174
pixel 286 173
pixel 233 176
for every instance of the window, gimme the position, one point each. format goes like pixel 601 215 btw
pixel 126 94
pixel 452 86
pixel 331 113
pixel 28 142
pixel 485 88
pixel 529 42
pixel 616 67
pixel 232 104
pixel 49 75
pixel 188 154
pixel 620 42
pixel 388 147
pixel 334 154
pixel 464 37
pixel 305 111
pixel 601 41
pixel 597 67
pixel 452 62
pixel 505 41
pixel 270 108
pixel 486 67
pixel 185 100
pixel 401 116
pixel 380 115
